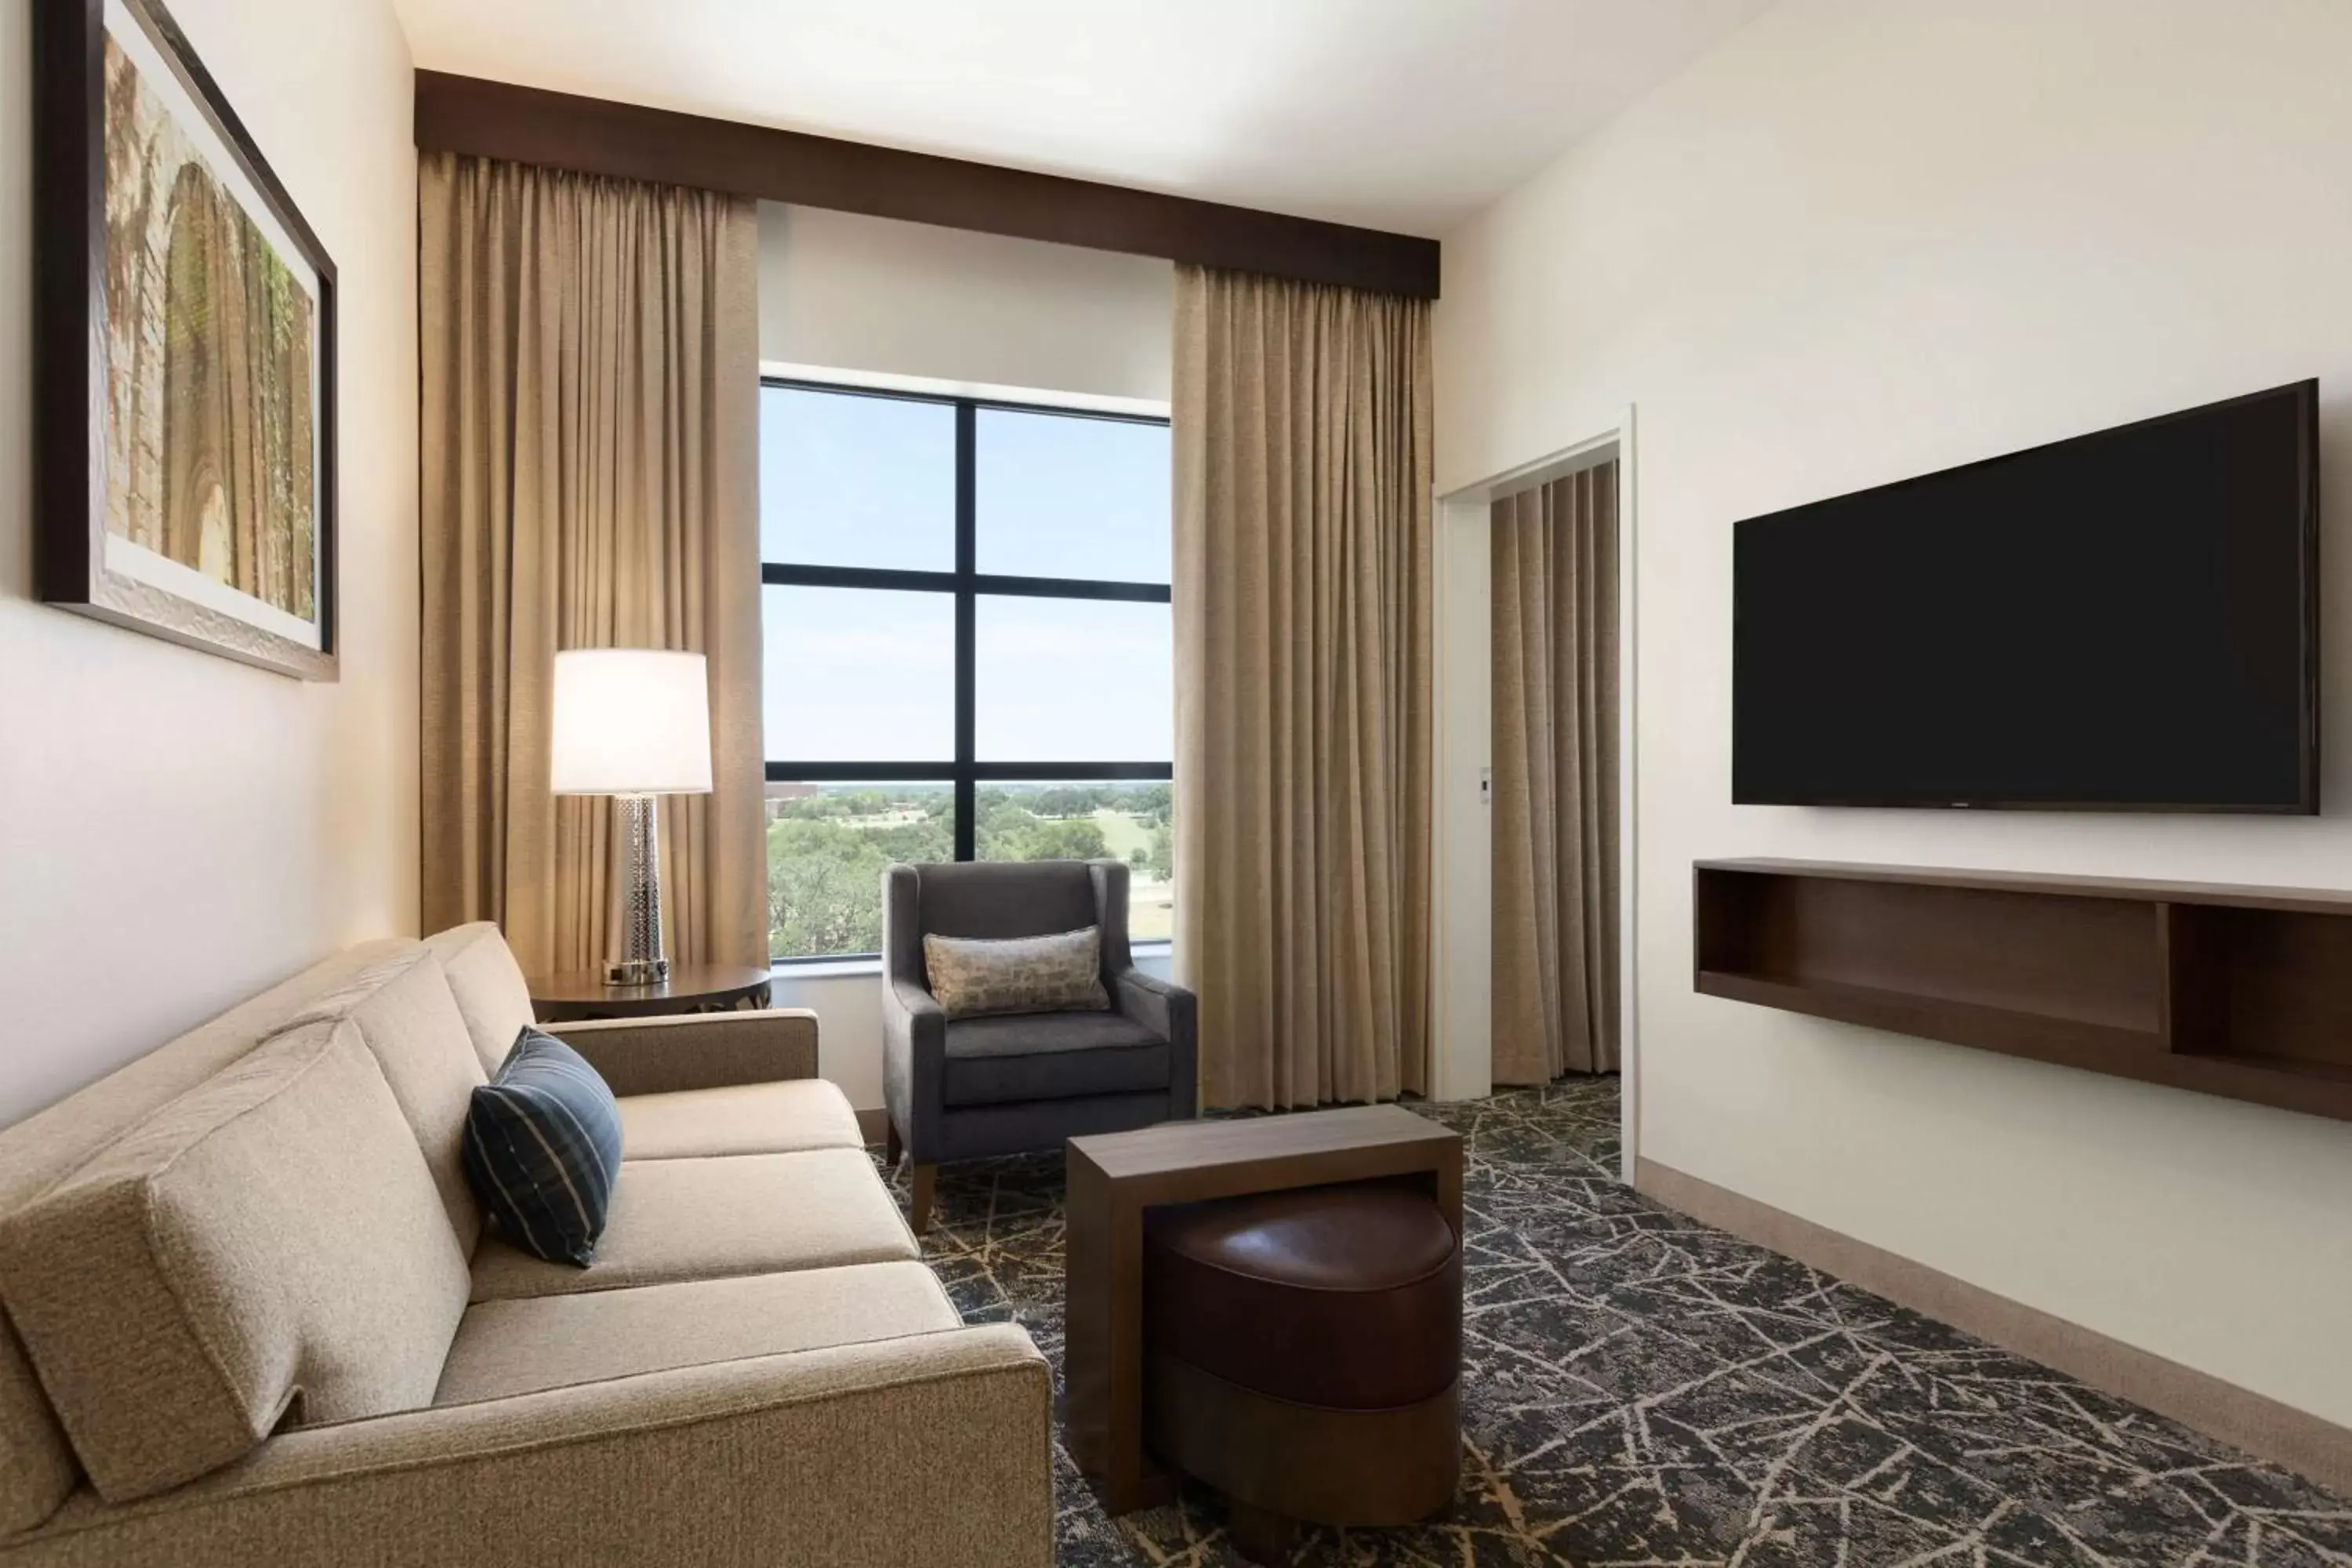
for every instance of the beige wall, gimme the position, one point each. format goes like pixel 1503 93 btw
pixel 177 831
pixel 856 293
pixel 1864 239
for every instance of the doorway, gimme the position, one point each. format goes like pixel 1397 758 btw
pixel 1464 931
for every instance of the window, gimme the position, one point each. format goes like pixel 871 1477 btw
pixel 969 653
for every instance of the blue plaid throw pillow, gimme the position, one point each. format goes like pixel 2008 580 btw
pixel 542 1148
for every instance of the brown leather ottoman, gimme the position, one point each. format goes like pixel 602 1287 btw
pixel 1303 1355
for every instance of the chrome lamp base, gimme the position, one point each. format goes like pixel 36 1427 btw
pixel 635 954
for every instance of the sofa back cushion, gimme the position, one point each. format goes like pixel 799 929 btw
pixel 37 1465
pixel 490 987
pixel 408 1017
pixel 270 1245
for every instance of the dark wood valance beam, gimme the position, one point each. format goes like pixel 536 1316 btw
pixel 596 136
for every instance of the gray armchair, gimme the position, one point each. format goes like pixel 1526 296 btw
pixel 1018 1083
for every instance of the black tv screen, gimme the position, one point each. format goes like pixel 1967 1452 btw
pixel 2125 621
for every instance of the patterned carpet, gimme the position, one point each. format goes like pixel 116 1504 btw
pixel 1644 1390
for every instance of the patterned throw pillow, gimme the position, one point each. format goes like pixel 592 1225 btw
pixel 1061 973
pixel 542 1147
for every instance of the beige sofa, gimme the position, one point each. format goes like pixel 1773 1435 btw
pixel 254 1316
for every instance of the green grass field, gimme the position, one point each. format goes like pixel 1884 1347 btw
pixel 1151 909
pixel 1123 832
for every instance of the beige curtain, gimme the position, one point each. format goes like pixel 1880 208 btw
pixel 1555 750
pixel 1302 603
pixel 590 386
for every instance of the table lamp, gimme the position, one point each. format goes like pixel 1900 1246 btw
pixel 633 724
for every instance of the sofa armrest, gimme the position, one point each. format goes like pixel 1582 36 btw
pixel 1175 1011
pixel 762 1461
pixel 695 1050
pixel 914 1064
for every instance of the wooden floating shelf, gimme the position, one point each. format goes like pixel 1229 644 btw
pixel 2240 992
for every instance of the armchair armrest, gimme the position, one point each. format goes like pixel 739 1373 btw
pixel 916 1009
pixel 1161 1004
pixel 1174 1011
pixel 914 1064
pixel 760 1461
pixel 696 1050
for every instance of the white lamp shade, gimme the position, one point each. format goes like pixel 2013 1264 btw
pixel 631 721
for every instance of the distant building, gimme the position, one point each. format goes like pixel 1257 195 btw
pixel 783 795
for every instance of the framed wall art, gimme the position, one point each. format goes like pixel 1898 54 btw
pixel 184 354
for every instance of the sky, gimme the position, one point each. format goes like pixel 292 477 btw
pixel 858 674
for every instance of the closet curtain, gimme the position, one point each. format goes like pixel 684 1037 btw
pixel 1554 751
pixel 1302 700
pixel 589 387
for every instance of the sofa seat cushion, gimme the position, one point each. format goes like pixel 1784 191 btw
pixel 506 1348
pixel 1050 1056
pixel 270 1245
pixel 708 1219
pixel 742 1119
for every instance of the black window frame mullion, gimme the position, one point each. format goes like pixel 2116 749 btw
pixel 789 772
pixel 775 574
pixel 1056 770
pixel 1001 405
pixel 984 584
pixel 988 584
pixel 967 629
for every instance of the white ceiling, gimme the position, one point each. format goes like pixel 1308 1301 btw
pixel 1400 114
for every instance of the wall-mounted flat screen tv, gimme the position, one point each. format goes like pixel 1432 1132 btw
pixel 2127 621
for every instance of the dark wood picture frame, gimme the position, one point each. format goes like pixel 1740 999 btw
pixel 71 346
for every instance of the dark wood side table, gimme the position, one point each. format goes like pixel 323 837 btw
pixel 690 988
pixel 1114 1177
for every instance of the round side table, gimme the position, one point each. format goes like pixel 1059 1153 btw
pixel 690 988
